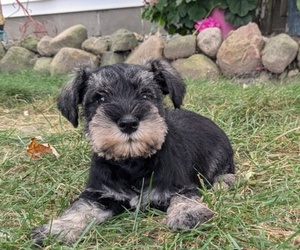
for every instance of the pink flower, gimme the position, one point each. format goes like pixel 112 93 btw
pixel 208 22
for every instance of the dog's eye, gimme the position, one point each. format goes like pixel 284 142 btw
pixel 101 97
pixel 147 95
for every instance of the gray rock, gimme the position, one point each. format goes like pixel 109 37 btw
pixel 264 76
pixel 283 75
pixel 293 73
pixel 2 50
pixel 298 58
pixel 96 45
pixel 197 67
pixel 180 47
pixel 9 44
pixel 16 59
pixel 109 58
pixel 69 58
pixel 209 41
pixel 72 37
pixel 279 52
pixel 30 43
pixel 240 52
pixel 43 47
pixel 123 40
pixel 152 47
pixel 139 37
pixel 42 65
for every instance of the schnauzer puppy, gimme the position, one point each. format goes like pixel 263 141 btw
pixel 143 153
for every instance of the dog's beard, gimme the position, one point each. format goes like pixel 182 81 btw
pixel 108 141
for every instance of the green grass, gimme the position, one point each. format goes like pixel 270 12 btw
pixel 26 86
pixel 262 211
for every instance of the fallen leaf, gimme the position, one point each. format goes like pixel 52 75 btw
pixel 36 150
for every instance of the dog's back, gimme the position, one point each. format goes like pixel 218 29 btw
pixel 209 151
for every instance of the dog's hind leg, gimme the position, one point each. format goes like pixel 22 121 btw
pixel 71 224
pixel 185 213
pixel 224 181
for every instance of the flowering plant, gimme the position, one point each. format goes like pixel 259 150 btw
pixel 208 22
pixel 179 16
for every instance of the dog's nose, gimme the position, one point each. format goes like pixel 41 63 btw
pixel 128 124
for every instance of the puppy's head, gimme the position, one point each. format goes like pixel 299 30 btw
pixel 123 106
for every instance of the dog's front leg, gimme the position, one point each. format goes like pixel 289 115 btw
pixel 186 213
pixel 71 224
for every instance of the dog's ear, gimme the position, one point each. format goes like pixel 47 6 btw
pixel 168 79
pixel 72 95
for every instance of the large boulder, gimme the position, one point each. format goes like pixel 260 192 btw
pixel 152 47
pixel 298 58
pixel 17 59
pixel 209 41
pixel 69 58
pixel 72 37
pixel 2 50
pixel 109 58
pixel 96 45
pixel 30 43
pixel 180 47
pixel 7 45
pixel 43 46
pixel 123 40
pixel 279 52
pixel 240 52
pixel 42 65
pixel 197 67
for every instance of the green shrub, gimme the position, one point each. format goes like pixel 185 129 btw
pixel 179 16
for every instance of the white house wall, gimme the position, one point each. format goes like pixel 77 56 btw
pixel 100 17
pixel 46 7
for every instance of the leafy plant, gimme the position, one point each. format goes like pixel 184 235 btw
pixel 179 16
pixel 240 12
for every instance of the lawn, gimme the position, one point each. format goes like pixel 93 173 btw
pixel 262 211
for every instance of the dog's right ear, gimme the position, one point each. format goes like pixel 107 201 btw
pixel 72 95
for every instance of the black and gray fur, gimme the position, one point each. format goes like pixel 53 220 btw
pixel 142 152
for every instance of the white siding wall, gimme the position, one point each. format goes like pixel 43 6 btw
pixel 45 7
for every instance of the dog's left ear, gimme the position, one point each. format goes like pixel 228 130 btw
pixel 168 79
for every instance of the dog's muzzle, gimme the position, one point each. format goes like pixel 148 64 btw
pixel 128 124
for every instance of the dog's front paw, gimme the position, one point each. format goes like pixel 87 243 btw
pixel 60 230
pixel 71 224
pixel 185 213
pixel 39 234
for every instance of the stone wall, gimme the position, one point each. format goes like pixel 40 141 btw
pixel 243 53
